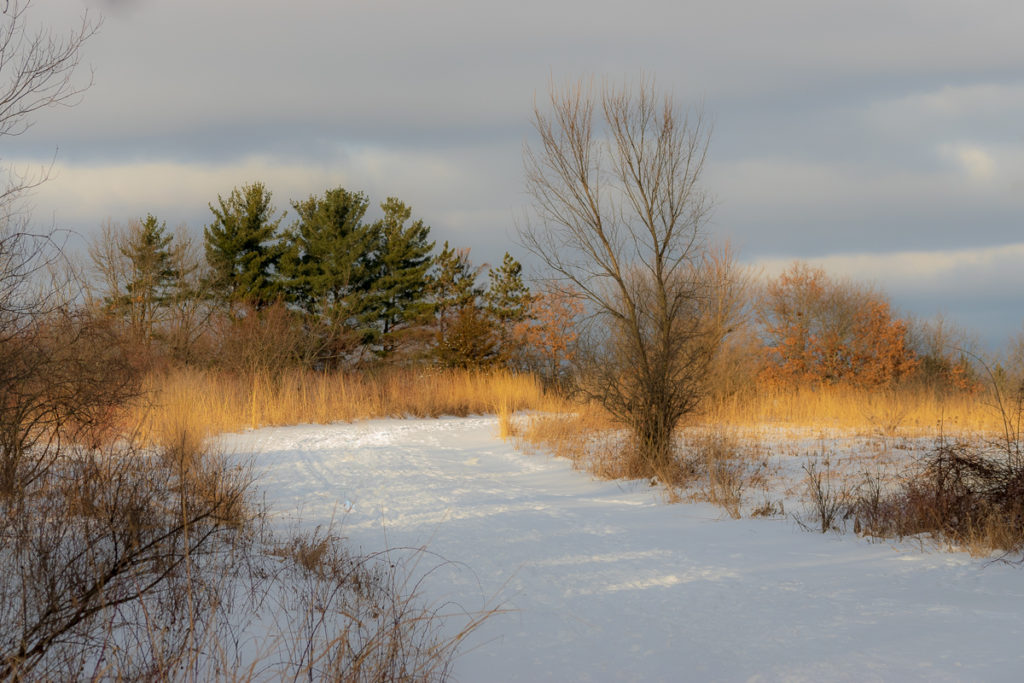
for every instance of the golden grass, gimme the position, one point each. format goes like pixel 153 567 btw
pixel 211 402
pixel 905 411
pixel 585 435
pixel 205 402
pixel 188 405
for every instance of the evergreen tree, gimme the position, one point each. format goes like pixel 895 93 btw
pixel 326 267
pixel 465 331
pixel 139 265
pixel 242 246
pixel 397 298
pixel 453 284
pixel 508 302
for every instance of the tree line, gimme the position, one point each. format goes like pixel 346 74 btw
pixel 332 289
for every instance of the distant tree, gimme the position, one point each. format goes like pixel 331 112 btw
pixel 465 332
pixel 1013 361
pixel 548 334
pixel 945 353
pixel 819 331
pixel 469 340
pixel 189 306
pixel 140 268
pixel 326 265
pixel 508 303
pixel 327 268
pixel 453 283
pixel 398 277
pixel 243 246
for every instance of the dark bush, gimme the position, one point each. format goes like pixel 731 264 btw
pixel 967 494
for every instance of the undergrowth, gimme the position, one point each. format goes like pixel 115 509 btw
pixel 964 493
pixel 126 562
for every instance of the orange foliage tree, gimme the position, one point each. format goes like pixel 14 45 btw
pixel 548 334
pixel 820 331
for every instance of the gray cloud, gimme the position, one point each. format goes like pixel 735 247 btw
pixel 886 125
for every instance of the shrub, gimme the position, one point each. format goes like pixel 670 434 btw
pixel 100 547
pixel 964 493
pixel 829 503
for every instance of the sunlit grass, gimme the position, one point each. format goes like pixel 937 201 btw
pixel 903 411
pixel 212 402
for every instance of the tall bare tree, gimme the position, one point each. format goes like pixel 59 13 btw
pixel 37 71
pixel 619 217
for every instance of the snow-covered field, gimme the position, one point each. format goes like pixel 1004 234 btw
pixel 605 581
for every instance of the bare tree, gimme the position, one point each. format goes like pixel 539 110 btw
pixel 37 71
pixel 619 216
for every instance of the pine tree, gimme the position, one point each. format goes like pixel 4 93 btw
pixel 465 332
pixel 398 287
pixel 242 246
pixel 139 265
pixel 508 303
pixel 326 267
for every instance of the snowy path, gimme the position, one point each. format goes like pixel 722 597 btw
pixel 606 582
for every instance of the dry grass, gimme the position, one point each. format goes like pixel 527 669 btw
pixel 207 403
pixel 718 462
pixel 712 464
pixel 904 411
pixel 723 466
pixel 586 436
pixel 211 402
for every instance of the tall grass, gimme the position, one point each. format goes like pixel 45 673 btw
pixel 211 402
pixel 909 411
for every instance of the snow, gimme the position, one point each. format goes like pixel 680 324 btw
pixel 607 581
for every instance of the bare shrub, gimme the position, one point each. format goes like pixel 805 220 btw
pixel 769 508
pixel 716 466
pixel 64 377
pixel 830 500
pixel 724 469
pixel 268 341
pixel 353 618
pixel 968 493
pixel 135 564
pixel 100 539
pixel 964 493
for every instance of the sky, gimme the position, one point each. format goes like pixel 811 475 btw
pixel 880 139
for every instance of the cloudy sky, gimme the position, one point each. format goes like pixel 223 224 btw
pixel 882 139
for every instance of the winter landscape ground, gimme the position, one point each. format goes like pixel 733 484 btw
pixel 603 580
